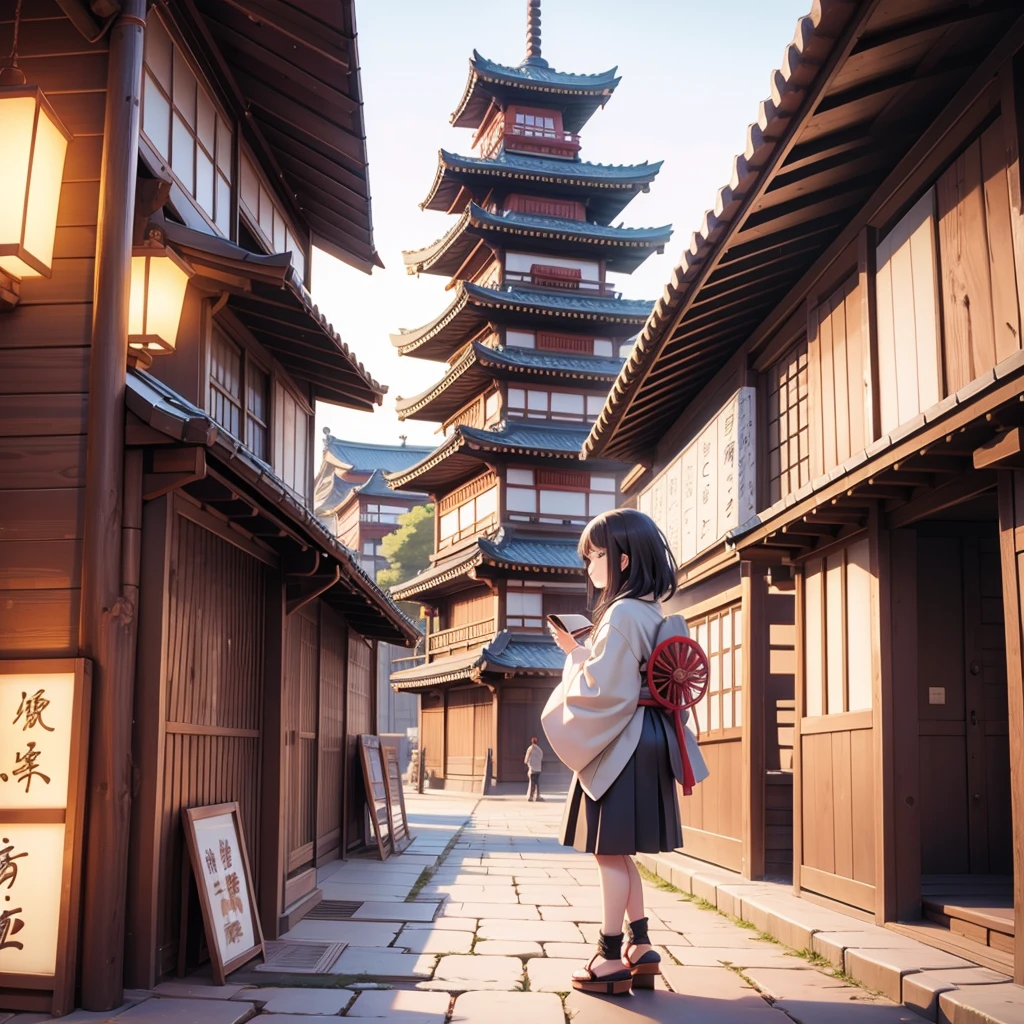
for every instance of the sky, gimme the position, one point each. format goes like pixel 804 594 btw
pixel 693 73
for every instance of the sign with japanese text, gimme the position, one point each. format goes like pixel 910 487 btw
pixel 220 865
pixel 44 712
pixel 709 488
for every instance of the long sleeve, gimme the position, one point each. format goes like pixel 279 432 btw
pixel 599 691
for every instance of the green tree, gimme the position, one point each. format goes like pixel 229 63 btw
pixel 408 549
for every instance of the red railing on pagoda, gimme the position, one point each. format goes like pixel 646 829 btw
pixel 525 138
pixel 544 277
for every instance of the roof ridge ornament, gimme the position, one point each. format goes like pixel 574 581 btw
pixel 533 57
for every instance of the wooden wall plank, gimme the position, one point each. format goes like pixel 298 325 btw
pixel 840 378
pixel 842 803
pixel 42 462
pixel 858 365
pixel 40 565
pixel 23 371
pixel 31 415
pixel 39 622
pixel 828 387
pixel 862 791
pixel 999 234
pixel 905 329
pixel 71 282
pixel 79 205
pixel 888 409
pixel 42 515
pixel 814 399
pixel 81 113
pixel 44 326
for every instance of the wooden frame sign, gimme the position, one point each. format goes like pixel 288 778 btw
pixel 44 744
pixel 220 865
pixel 400 838
pixel 377 800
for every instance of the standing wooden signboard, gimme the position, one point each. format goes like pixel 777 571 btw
pixel 44 743
pixel 400 837
pixel 377 793
pixel 220 865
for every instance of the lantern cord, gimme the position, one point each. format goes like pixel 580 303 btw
pixel 12 57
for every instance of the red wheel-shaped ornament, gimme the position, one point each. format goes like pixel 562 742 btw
pixel 678 673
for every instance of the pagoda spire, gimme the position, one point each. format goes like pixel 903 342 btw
pixel 533 57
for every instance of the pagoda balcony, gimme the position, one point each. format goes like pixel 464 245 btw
pixel 540 279
pixel 390 518
pixel 468 635
pixel 522 138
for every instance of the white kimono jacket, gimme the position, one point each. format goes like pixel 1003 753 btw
pixel 592 719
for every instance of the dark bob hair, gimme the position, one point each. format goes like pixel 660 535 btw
pixel 651 568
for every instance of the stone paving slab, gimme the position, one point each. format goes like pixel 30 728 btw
pixel 982 1004
pixel 302 1001
pixel 508 911
pixel 574 915
pixel 921 991
pixel 883 969
pixel 781 983
pixel 450 924
pixel 384 964
pixel 664 1007
pixel 505 947
pixel 476 973
pixel 552 974
pixel 529 931
pixel 75 1017
pixel 360 891
pixel 508 1008
pixel 400 1006
pixel 186 1011
pixel 442 941
pixel 578 951
pixel 472 893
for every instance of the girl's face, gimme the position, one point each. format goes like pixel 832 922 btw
pixel 597 567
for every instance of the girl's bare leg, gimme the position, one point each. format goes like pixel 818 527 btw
pixel 615 887
pixel 634 906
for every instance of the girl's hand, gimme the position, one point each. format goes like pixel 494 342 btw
pixel 566 642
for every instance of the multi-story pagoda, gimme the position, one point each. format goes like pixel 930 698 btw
pixel 533 339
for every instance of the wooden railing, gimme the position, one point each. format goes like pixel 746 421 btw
pixel 480 526
pixel 544 281
pixel 461 636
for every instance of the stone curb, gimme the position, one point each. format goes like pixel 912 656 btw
pixel 938 986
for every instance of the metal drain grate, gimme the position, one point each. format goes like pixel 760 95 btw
pixel 332 910
pixel 299 957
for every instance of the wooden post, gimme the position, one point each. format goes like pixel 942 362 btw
pixel 107 627
pixel 756 669
pixel 272 833
pixel 799 688
pixel 1011 547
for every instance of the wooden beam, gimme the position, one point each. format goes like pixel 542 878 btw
pixel 755 684
pixel 173 468
pixel 1004 451
pixel 939 498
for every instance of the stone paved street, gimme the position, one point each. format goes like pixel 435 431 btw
pixel 517 914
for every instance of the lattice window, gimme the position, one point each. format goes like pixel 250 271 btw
pixel 567 406
pixel 789 455
pixel 537 496
pixel 555 277
pixel 720 634
pixel 226 383
pixel 549 341
pixel 182 124
pixel 567 209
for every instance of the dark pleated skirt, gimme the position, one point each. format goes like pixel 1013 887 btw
pixel 640 811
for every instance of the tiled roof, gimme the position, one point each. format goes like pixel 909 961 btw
pixel 507 653
pixel 377 487
pixel 502 550
pixel 365 458
pixel 571 170
pixel 548 75
pixel 532 436
pixel 512 550
pixel 531 358
pixel 561 301
pixel 519 651
pixel 330 493
pixel 624 248
pixel 578 96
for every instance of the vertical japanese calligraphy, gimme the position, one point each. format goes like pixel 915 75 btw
pixel 36 716
pixel 709 488
pixel 221 871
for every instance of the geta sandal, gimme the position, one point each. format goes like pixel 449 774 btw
pixel 609 947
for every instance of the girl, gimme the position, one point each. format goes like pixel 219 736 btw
pixel 626 758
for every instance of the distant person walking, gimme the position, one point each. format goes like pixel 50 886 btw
pixel 534 760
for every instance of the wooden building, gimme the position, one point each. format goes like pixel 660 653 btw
pixel 353 500
pixel 531 343
pixel 156 515
pixel 853 539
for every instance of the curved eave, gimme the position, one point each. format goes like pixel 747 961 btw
pixel 447 332
pixel 437 581
pixel 624 250
pixel 506 367
pixel 461 454
pixel 448 395
pixel 608 196
pixel 487 80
